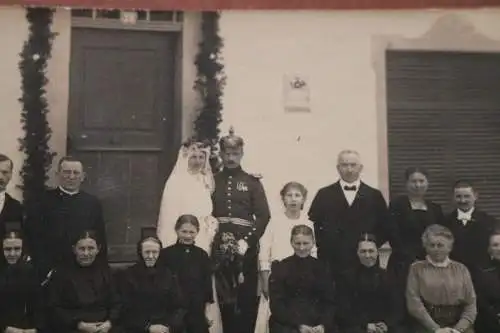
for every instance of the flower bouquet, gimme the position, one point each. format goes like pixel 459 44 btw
pixel 228 267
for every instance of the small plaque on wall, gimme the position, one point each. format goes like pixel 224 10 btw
pixel 296 93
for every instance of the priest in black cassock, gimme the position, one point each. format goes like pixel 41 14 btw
pixel 67 212
pixel 10 209
pixel 343 211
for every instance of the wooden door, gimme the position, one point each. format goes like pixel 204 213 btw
pixel 123 126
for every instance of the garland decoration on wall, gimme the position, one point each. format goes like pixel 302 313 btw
pixel 35 142
pixel 209 84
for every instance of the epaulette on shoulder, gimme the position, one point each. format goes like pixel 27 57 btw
pixel 256 175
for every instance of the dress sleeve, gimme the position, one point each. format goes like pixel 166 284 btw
pixel 63 315
pixel 171 207
pixel 207 275
pixel 470 310
pixel 134 321
pixel 347 315
pixel 327 298
pixel 414 303
pixel 114 298
pixel 395 303
pixel 177 310
pixel 278 297
pixel 266 243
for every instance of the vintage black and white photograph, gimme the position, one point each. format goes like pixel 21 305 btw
pixel 250 166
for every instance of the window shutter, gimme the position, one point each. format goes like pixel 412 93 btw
pixel 444 115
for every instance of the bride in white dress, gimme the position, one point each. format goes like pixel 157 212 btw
pixel 188 190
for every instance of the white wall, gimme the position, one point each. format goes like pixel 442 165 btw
pixel 335 51
pixel 12 19
pixel 15 29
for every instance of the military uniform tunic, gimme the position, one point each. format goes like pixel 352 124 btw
pixel 240 205
pixel 239 197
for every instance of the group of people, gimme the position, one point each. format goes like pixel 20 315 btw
pixel 218 262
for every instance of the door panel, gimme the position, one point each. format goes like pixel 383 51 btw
pixel 123 126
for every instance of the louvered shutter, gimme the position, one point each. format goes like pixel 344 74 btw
pixel 444 115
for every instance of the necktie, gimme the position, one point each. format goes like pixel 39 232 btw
pixel 350 188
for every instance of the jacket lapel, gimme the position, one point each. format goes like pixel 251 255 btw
pixel 339 195
pixel 360 194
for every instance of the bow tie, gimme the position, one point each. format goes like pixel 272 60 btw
pixel 350 188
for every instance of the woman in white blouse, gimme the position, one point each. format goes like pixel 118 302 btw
pixel 275 243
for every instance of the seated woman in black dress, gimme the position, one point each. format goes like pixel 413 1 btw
pixel 368 301
pixel 192 268
pixel 487 284
pixel 83 297
pixel 301 290
pixel 409 215
pixel 20 291
pixel 151 297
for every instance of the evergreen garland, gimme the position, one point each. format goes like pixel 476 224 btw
pixel 35 143
pixel 209 83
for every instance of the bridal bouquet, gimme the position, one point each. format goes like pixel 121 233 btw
pixel 228 267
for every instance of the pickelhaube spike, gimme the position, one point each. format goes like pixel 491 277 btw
pixel 231 140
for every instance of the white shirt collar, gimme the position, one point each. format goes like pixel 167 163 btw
pixel 461 215
pixel 67 192
pixel 2 200
pixel 445 263
pixel 343 183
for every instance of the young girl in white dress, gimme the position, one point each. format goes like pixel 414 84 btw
pixel 188 190
pixel 275 243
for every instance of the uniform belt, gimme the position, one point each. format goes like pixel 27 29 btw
pixel 235 220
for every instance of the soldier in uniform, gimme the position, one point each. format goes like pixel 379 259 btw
pixel 240 205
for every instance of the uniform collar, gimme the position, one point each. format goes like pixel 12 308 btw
pixel 232 171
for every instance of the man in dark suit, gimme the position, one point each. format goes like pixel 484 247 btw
pixel 343 211
pixel 471 228
pixel 10 209
pixel 67 212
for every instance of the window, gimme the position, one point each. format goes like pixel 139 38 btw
pixel 444 114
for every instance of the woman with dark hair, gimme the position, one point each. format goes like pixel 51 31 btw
pixel 409 215
pixel 487 283
pixel 301 290
pixel 152 301
pixel 20 292
pixel 192 268
pixel 368 301
pixel 83 297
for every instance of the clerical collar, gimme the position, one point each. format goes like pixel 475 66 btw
pixel 445 263
pixel 68 192
pixel 356 184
